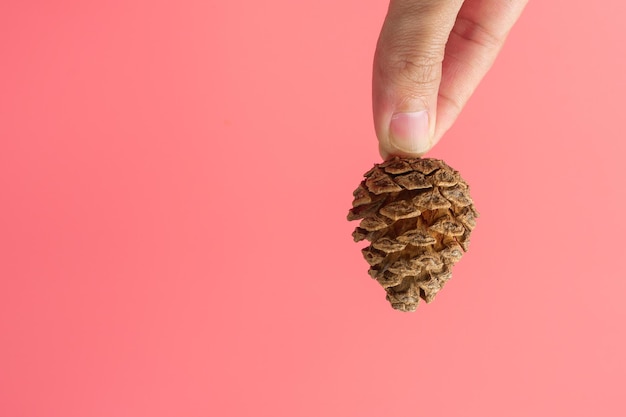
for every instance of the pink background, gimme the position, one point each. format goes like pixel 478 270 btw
pixel 174 181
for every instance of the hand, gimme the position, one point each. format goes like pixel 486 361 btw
pixel 430 57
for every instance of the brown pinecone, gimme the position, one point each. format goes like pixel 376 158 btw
pixel 418 214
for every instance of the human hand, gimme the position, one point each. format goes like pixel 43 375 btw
pixel 430 57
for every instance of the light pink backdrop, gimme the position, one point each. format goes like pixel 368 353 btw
pixel 174 180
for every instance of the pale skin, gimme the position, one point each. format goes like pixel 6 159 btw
pixel 430 57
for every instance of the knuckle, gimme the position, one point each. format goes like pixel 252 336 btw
pixel 453 103
pixel 415 70
pixel 474 32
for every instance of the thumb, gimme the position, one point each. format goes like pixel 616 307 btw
pixel 407 73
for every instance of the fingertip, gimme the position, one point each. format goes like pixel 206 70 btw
pixel 408 134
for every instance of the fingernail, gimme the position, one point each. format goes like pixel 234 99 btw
pixel 409 132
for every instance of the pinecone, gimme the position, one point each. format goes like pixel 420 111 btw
pixel 418 214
